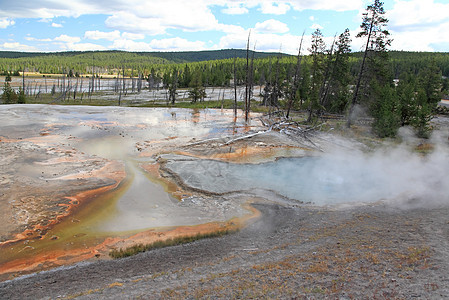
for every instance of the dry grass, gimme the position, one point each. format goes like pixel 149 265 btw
pixel 129 251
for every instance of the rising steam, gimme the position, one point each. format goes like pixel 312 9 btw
pixel 397 174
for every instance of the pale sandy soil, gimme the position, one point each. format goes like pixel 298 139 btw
pixel 290 252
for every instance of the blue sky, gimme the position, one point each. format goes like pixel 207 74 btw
pixel 179 25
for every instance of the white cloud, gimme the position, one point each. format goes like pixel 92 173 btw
pixel 159 17
pixel 14 46
pixel 72 43
pixel 271 26
pixel 63 42
pixel 421 39
pixel 142 17
pixel 99 35
pixel 156 17
pixel 229 28
pixel 56 25
pixel 133 36
pixel 414 24
pixel 112 35
pixel 171 44
pixel 176 44
pixel 129 45
pixel 414 13
pixel 418 25
pixel 235 9
pixel 275 8
pixel 83 47
pixel 67 39
pixel 131 23
pixel 337 5
pixel 5 22
pixel 32 39
pixel 316 26
pixel 269 42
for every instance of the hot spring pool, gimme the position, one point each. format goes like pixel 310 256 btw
pixel 320 180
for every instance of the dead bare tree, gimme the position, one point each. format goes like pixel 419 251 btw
pixel 324 90
pixel 251 78
pixel 247 79
pixel 139 83
pixel 124 81
pixel 235 88
pixel 133 83
pixel 295 85
pixel 23 79
pixel 268 85
pixel 275 93
pixel 120 90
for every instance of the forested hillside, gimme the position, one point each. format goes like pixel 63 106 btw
pixel 143 62
pixel 108 61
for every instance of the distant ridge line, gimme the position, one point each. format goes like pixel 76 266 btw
pixel 175 56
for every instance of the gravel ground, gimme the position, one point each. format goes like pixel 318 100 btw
pixel 374 251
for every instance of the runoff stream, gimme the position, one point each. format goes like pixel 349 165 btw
pixel 140 202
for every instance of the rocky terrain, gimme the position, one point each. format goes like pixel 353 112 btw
pixel 374 251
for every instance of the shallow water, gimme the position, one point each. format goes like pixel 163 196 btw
pixel 320 180
pixel 106 133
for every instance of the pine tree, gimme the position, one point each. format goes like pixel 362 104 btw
pixel 386 111
pixel 430 80
pixel 407 97
pixel 173 86
pixel 197 91
pixel 337 96
pixel 21 99
pixel 317 51
pixel 375 56
pixel 293 90
pixel 423 115
pixel 8 96
pixel 186 76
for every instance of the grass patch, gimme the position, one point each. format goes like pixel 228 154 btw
pixel 81 99
pixel 424 148
pixel 129 251
pixel 226 104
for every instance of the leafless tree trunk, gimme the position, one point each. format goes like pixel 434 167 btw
pixel 251 78
pixel 74 90
pixel 359 78
pixel 139 83
pixel 326 84
pixel 296 78
pixel 247 79
pixel 275 93
pixel 124 82
pixel 120 90
pixel 235 88
pixel 133 83
pixel 23 79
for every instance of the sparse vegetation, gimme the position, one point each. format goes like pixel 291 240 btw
pixel 129 251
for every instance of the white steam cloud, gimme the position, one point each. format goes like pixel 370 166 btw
pixel 398 175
